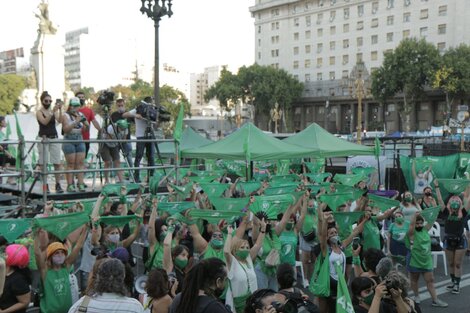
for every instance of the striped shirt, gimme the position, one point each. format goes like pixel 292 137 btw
pixel 109 302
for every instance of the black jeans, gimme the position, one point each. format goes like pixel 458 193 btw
pixel 149 148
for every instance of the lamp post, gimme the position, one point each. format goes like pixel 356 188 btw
pixel 156 9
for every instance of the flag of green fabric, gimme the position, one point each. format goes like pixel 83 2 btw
pixel 382 203
pixel 178 132
pixel 214 217
pixel 285 178
pixel 202 179
pixel 62 225
pixel 154 182
pixel 279 190
pixel 316 166
pixel 246 146
pixel 377 147
pixel 364 171
pixel 334 200
pixel 115 189
pixel 215 172
pixel 209 165
pixel 175 207
pixel 250 186
pixel 8 131
pixel 183 191
pixel 118 221
pixel 283 167
pixel 19 132
pixel 234 167
pixel 356 192
pixel 349 179
pixel 345 220
pixel 272 205
pixel 454 186
pixel 229 204
pixel 430 214
pixel 318 178
pixel 13 228
pixel 343 299
pixel 214 189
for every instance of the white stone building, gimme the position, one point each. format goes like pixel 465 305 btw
pixel 199 84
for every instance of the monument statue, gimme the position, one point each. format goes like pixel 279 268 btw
pixel 45 24
pixel 276 115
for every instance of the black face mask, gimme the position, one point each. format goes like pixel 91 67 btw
pixel 46 106
pixel 268 228
pixel 427 194
pixel 419 228
pixel 82 101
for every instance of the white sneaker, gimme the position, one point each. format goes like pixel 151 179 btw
pixel 439 303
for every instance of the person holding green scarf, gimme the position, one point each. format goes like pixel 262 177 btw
pixel 157 231
pixel 419 259
pixel 175 260
pixel 241 272
pixel 308 239
pixel 409 206
pixel 396 237
pixel 54 265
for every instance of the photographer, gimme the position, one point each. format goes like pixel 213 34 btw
pixel 116 116
pixel 90 117
pixel 142 126
pixel 110 150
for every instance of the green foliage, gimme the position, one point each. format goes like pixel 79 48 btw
pixel 171 99
pixel 458 60
pixel 11 87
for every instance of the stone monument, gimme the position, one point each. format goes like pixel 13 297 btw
pixel 47 56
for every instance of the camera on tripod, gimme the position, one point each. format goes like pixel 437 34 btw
pixel 106 98
pixel 152 113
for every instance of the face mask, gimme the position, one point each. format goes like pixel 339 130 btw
pixel 454 205
pixel 217 243
pixel 334 240
pixel 58 259
pixel 289 226
pixel 419 228
pixel 399 220
pixel 113 238
pixel 242 254
pixel 82 101
pixel 46 106
pixel 121 110
pixel 382 188
pixel 268 228
pixel 408 198
pixel 368 299
pixel 427 194
pixel 181 263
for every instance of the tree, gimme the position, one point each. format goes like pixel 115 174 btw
pixel 407 70
pixel 11 87
pixel 227 90
pixel 171 98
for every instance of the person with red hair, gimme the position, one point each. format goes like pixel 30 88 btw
pixel 16 293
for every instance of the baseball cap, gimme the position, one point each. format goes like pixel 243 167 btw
pixel 74 102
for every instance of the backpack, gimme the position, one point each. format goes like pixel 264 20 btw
pixel 302 305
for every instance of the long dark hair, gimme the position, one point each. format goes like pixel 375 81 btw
pixel 358 285
pixel 157 283
pixel 201 277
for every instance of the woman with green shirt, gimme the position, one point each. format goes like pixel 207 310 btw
pixel 419 259
pixel 156 235
pixel 54 265
pixel 396 237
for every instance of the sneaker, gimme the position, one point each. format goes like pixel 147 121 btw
pixel 417 299
pixel 450 287
pixel 81 187
pixel 456 290
pixel 439 303
pixel 71 188
pixel 58 188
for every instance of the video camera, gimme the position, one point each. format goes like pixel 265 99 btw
pixel 153 113
pixel 106 98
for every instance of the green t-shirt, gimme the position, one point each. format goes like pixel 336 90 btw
pixel 269 244
pixel 371 235
pixel 157 261
pixel 214 253
pixel 57 297
pixel 288 245
pixel 420 250
pixel 399 232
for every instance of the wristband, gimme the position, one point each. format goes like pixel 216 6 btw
pixel 356 260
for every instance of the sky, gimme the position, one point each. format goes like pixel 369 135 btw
pixel 201 33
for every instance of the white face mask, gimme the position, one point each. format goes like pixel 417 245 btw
pixel 58 259
pixel 113 238
pixel 121 110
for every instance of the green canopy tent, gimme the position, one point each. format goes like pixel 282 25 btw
pixel 190 139
pixel 248 143
pixel 325 144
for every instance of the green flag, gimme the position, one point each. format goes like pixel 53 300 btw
pixel 154 182
pixel 118 221
pixel 318 178
pixel 62 225
pixel 316 166
pixel 283 167
pixel 115 189
pixel 345 220
pixel 285 178
pixel 226 204
pixel 214 189
pixel 272 205
pixel 454 186
pixel 184 191
pixel 343 300
pixel 202 179
pixel 336 199
pixel 349 179
pixel 178 132
pixel 430 214
pixel 8 131
pixel 13 228
pixel 175 207
pixel 382 203
pixel 214 217
pixel 377 147
pixel 280 190
pixel 250 186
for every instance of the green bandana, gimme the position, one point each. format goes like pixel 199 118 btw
pixel 430 214
pixel 272 205
pixel 334 200
pixel 242 254
pixel 181 264
pixel 202 179
pixel 318 178
pixel 62 225
pixel 280 190
pixel 214 217
pixel 284 178
pixel 118 221
pixel 183 191
pixel 214 189
pixel 175 207
pixel 115 189
pixel 154 182
pixel 283 167
pixel 315 167
pixel 250 186
pixel 13 228
pixel 454 186
pixel 229 204
pixel 349 179
pixel 345 220
pixel 382 203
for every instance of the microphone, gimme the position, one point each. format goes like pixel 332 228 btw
pixel 384 267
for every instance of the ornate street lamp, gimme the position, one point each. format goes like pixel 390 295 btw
pixel 156 9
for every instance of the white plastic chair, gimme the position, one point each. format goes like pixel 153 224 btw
pixel 435 231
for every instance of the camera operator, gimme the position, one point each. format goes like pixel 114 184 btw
pixel 110 150
pixel 90 117
pixel 116 116
pixel 142 126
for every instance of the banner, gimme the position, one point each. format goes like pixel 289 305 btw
pixel 367 162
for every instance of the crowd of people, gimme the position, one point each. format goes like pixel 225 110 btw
pixel 244 263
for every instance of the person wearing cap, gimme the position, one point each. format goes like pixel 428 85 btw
pixel 54 265
pixel 110 150
pixel 116 116
pixel 72 124
pixel 16 294
pixel 6 159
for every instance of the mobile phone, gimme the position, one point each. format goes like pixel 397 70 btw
pixel 355 242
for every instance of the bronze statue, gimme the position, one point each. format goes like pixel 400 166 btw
pixel 45 25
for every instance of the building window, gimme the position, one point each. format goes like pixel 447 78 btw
pixel 308 20
pixel 319 76
pixel 275 53
pixel 423 32
pixel 346 13
pixel 319 18
pixel 274 12
pixel 274 26
pixel 320 32
pixel 332 45
pixel 360 10
pixel 319 47
pixel 296 50
pixel 441 29
pixel 359 41
pixel 345 28
pixel 406 33
pixel 374 23
pixel 441 46
pixel 259 55
pixel 375 7
pixel 443 10
pixel 332 16
pixel 332 30
pixel 307 63
pixel 390 20
pixel 332 75
pixel 423 14
pixel 296 65
pixel 345 74
pixel 360 25
pixel 374 39
pixel 345 59
pixel 308 49
pixel 259 29
pixel 406 17
pixel 275 39
pixel 308 34
pixel 296 77
pixel 373 55
pixel 346 43
pixel 359 57
pixel 296 36
pixel 390 4
pixel 389 37
pixel 307 77
pixel 319 62
pixel 296 22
